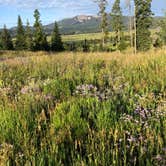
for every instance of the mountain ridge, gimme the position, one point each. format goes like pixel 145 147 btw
pixel 82 24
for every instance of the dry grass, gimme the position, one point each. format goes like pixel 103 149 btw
pixel 125 58
pixel 83 108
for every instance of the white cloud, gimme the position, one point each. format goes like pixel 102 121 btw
pixel 45 4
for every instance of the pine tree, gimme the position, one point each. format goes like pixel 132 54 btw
pixel 104 20
pixel 143 16
pixel 162 33
pixel 0 42
pixel 20 37
pixel 40 41
pixel 73 46
pixel 85 46
pixel 45 45
pixel 6 40
pixel 116 21
pixel 28 35
pixel 56 41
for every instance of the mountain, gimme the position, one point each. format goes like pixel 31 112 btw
pixel 76 25
pixel 88 24
pixel 83 24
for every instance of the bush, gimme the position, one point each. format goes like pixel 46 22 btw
pixel 158 43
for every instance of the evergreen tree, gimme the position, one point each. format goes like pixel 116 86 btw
pixel 28 35
pixel 20 37
pixel 116 21
pixel 158 43
pixel 56 41
pixel 162 33
pixel 143 16
pixel 73 46
pixel 40 41
pixel 0 42
pixel 45 44
pixel 6 40
pixel 104 20
pixel 85 46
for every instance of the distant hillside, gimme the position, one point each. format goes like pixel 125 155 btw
pixel 87 24
pixel 82 24
pixel 76 25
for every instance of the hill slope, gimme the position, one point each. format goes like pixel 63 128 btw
pixel 82 24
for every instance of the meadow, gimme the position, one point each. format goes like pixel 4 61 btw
pixel 78 37
pixel 83 109
pixel 94 36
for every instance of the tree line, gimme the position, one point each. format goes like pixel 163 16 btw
pixel 139 38
pixel 32 40
pixel 140 21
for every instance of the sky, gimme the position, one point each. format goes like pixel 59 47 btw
pixel 52 10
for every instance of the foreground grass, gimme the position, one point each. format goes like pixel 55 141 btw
pixel 83 109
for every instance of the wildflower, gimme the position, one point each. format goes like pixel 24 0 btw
pixel 143 113
pixel 141 138
pixel 127 132
pixel 126 118
pixel 30 89
pixel 131 139
pixel 47 82
pixel 25 90
pixel 164 150
pixel 85 89
pixel 159 157
pixel 48 97
pixel 120 140
pixel 92 91
pixel 20 155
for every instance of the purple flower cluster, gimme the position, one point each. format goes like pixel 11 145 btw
pixel 144 117
pixel 146 114
pixel 92 91
pixel 143 113
pixel 86 89
pixel 160 160
pixel 136 139
pixel 129 118
pixel 48 97
pixel 30 89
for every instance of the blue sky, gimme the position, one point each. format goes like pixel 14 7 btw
pixel 52 10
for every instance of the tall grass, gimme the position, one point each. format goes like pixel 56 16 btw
pixel 83 109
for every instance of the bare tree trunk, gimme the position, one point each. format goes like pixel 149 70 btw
pixel 135 31
pixel 130 26
pixel 119 36
pixel 103 38
pixel 129 5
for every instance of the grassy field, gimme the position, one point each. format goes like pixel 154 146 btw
pixel 92 36
pixel 89 36
pixel 78 37
pixel 76 109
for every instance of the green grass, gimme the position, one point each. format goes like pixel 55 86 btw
pixel 90 36
pixel 83 109
pixel 79 37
